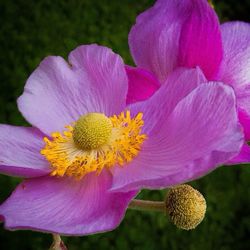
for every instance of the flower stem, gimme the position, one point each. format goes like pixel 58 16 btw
pixel 156 206
pixel 57 243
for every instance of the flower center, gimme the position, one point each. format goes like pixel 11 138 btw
pixel 92 131
pixel 94 142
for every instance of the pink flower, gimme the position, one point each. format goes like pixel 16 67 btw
pixel 187 33
pixel 181 133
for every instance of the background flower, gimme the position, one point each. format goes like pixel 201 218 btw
pixel 187 33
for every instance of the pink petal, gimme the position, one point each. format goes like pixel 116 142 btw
pixel 236 59
pixel 177 33
pixel 57 94
pixel 66 206
pixel 242 157
pixel 178 85
pixel 236 63
pixel 153 40
pixel 20 152
pixel 200 40
pixel 201 133
pixel 141 84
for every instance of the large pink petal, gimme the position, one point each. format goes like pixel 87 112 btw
pixel 200 134
pixel 236 63
pixel 66 206
pixel 141 84
pixel 177 33
pixel 20 152
pixel 57 93
pixel 104 73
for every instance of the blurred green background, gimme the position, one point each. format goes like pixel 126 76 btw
pixel 31 30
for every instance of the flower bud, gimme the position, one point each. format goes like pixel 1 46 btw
pixel 186 207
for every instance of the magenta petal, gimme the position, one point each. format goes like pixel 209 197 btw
pixel 242 157
pixel 200 40
pixel 154 39
pixel 20 152
pixel 66 206
pixel 201 133
pixel 141 84
pixel 57 93
pixel 245 122
pixel 176 33
pixel 236 61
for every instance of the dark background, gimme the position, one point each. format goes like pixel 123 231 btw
pixel 31 30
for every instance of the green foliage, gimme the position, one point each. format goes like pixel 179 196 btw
pixel 31 30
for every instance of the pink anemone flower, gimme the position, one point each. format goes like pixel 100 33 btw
pixel 187 33
pixel 86 142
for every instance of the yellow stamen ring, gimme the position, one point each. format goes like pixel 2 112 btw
pixel 94 142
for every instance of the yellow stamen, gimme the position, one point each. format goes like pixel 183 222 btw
pixel 94 142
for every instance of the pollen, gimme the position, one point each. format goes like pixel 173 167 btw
pixel 94 142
